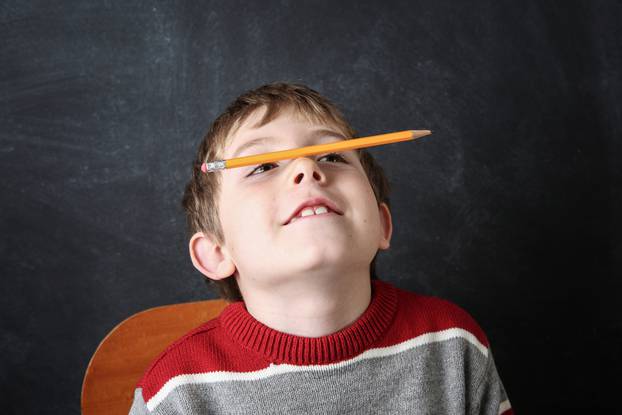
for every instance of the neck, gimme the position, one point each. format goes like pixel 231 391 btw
pixel 315 309
pixel 283 348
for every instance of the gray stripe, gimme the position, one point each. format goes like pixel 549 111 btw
pixel 138 405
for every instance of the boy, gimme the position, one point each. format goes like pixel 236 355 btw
pixel 292 245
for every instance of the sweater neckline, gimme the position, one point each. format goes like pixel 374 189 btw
pixel 279 347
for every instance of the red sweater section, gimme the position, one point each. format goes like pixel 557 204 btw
pixel 236 342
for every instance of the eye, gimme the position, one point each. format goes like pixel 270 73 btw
pixel 262 168
pixel 336 156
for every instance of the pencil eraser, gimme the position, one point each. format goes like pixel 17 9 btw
pixel 204 168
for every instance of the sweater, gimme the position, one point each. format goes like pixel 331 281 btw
pixel 407 353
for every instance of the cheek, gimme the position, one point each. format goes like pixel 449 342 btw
pixel 371 204
pixel 248 221
pixel 365 190
pixel 363 184
pixel 361 196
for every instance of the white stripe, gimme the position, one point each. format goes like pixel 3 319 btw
pixel 272 370
pixel 504 406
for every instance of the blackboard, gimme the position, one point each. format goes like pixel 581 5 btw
pixel 511 210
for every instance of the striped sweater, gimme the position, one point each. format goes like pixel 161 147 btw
pixel 407 353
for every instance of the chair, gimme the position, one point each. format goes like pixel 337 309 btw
pixel 126 352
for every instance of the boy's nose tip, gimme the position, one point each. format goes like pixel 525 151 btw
pixel 306 169
pixel 301 176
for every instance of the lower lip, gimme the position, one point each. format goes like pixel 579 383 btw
pixel 313 216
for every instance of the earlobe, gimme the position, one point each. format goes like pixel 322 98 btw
pixel 209 258
pixel 386 225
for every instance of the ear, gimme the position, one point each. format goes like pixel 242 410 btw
pixel 386 225
pixel 209 258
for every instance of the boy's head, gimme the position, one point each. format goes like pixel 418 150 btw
pixel 239 218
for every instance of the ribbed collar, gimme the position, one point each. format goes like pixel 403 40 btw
pixel 279 347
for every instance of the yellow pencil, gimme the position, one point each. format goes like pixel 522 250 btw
pixel 345 145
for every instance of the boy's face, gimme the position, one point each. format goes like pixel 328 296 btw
pixel 254 207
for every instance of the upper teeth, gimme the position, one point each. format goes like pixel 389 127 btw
pixel 315 210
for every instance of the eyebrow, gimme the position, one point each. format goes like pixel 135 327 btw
pixel 265 140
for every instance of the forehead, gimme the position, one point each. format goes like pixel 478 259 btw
pixel 288 118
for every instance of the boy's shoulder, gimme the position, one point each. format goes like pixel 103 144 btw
pixel 426 316
pixel 204 349
pixel 177 352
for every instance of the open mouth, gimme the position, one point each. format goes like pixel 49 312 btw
pixel 328 213
pixel 317 206
pixel 312 212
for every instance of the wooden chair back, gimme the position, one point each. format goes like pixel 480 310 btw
pixel 126 352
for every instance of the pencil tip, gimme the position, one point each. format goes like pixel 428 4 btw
pixel 420 133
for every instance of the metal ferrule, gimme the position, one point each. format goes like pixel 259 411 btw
pixel 215 165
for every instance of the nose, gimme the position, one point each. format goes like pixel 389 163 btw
pixel 305 169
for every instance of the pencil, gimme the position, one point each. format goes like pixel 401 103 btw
pixel 344 145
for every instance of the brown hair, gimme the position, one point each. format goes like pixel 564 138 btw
pixel 201 192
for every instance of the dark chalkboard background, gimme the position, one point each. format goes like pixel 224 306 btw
pixel 511 209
